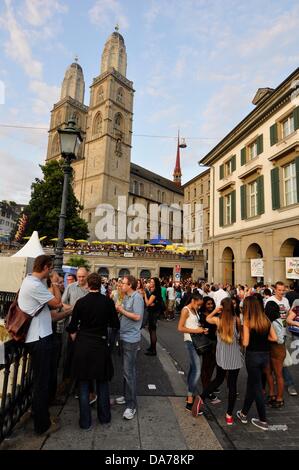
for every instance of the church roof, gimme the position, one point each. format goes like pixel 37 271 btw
pixel 116 35
pixel 155 178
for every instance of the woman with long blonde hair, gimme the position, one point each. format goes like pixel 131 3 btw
pixel 228 356
pixel 257 332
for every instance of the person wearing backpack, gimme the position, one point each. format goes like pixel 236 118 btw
pixel 277 356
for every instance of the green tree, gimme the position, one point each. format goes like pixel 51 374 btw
pixel 44 207
pixel 78 262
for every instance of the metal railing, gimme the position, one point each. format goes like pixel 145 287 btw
pixel 15 378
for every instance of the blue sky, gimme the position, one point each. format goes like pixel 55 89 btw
pixel 195 64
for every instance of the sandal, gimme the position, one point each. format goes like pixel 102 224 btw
pixel 277 404
pixel 271 399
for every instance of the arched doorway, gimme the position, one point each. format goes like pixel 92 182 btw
pixel 145 274
pixel 123 272
pixel 289 249
pixel 228 263
pixel 254 251
pixel 104 272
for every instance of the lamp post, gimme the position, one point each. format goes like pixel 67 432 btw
pixel 70 139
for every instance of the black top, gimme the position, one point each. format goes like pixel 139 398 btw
pixel 259 342
pixel 291 296
pixel 157 304
pixel 93 314
pixel 212 328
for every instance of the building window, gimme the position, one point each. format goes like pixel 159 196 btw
pixel 253 199
pixel 227 209
pixel 118 121
pixel 120 95
pixel 201 189
pixel 289 184
pixel 136 187
pixel 141 189
pixel 287 126
pixel 228 168
pixel 194 191
pixel 97 124
pixel 159 195
pixel 100 95
pixel 163 197
pixel 252 151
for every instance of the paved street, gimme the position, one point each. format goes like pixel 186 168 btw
pixel 284 423
pixel 162 422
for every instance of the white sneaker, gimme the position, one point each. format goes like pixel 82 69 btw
pixel 129 414
pixel 120 401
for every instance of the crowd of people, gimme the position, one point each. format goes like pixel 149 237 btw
pixel 224 327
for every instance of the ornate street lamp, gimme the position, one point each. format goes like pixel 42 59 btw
pixel 70 139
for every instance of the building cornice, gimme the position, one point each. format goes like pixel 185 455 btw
pixel 277 99
pixel 294 147
pixel 69 100
pixel 118 76
pixel 255 169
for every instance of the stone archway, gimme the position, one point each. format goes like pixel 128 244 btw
pixel 288 249
pixel 228 266
pixel 104 272
pixel 254 251
pixel 123 272
pixel 145 274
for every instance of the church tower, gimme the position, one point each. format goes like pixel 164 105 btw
pixel 177 174
pixel 106 171
pixel 71 103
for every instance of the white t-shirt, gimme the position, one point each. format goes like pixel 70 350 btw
pixel 170 293
pixel 33 294
pixel 219 295
pixel 284 308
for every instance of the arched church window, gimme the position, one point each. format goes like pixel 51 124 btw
pixel 55 145
pixel 120 95
pixel 100 95
pixel 97 124
pixel 118 121
pixel 76 117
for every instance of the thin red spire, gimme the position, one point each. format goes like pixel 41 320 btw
pixel 177 170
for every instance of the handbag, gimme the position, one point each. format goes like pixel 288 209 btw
pixel 288 361
pixel 17 321
pixel 201 343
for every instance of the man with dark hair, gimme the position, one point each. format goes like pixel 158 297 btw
pixel 32 296
pixel 131 310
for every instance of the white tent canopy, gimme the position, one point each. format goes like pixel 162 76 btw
pixel 32 249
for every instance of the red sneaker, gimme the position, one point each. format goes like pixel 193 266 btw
pixel 229 420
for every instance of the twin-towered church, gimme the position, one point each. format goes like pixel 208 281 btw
pixel 103 170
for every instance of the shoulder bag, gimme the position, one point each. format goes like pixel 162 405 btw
pixel 17 321
pixel 201 342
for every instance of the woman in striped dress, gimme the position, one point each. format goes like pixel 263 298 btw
pixel 229 358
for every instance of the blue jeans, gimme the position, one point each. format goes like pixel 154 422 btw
pixel 129 351
pixel 255 364
pixel 194 369
pixel 103 403
pixel 287 376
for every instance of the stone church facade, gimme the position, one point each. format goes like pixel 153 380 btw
pixel 103 170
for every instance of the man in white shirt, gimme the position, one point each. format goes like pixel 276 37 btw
pixel 33 294
pixel 219 295
pixel 170 301
pixel 284 308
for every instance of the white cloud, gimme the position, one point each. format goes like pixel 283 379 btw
pixel 163 113
pixel 153 12
pixel 106 13
pixel 46 95
pixel 19 175
pixel 38 12
pixel 17 46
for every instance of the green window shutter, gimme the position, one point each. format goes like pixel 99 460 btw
pixel 234 163
pixel 296 118
pixel 221 212
pixel 297 176
pixel 275 188
pixel 243 202
pixel 273 134
pixel 260 144
pixel 221 171
pixel 260 195
pixel 233 196
pixel 243 156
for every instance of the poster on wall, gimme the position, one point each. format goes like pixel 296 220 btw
pixel 292 268
pixel 257 267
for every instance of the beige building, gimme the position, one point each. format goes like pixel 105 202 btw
pixel 197 197
pixel 104 171
pixel 255 187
